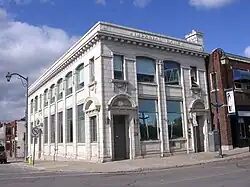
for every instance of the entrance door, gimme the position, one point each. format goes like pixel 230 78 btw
pixel 120 149
pixel 199 134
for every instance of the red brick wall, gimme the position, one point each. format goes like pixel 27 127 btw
pixel 225 81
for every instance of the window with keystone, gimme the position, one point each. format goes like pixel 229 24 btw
pixel 148 115
pixel 80 76
pixel 145 68
pixel 171 73
pixel 118 67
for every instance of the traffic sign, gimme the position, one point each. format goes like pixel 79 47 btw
pixel 35 131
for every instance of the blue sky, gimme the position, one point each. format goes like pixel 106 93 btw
pixel 34 33
pixel 224 22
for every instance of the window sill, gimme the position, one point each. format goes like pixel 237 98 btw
pixel 173 86
pixel 69 95
pixel 119 81
pixel 148 83
pixel 178 139
pixel 81 144
pixel 92 84
pixel 69 143
pixel 93 143
pixel 59 100
pixel 79 90
pixel 198 88
pixel 150 141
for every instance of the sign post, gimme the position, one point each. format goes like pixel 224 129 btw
pixel 35 133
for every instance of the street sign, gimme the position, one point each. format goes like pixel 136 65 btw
pixel 35 131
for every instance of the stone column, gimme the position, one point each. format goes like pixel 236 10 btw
pixel 74 116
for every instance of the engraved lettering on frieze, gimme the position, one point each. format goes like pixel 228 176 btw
pixel 156 38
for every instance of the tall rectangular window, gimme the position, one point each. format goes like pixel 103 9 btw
pixel 69 128
pixel 93 129
pixel 69 83
pixel 45 131
pixel 40 102
pixel 31 137
pixel 52 129
pixel 60 89
pixel 148 115
pixel 92 69
pixel 46 98
pixel 53 94
pixel 174 117
pixel 213 78
pixel 194 79
pixel 172 72
pixel 80 76
pixel 80 124
pixel 145 68
pixel 36 103
pixel 118 67
pixel 60 127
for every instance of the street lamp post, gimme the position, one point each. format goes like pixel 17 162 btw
pixel 26 85
pixel 217 105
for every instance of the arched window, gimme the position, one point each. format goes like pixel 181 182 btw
pixel 172 72
pixel 36 103
pixel 145 68
pixel 80 76
pixel 69 83
pixel 46 97
pixel 60 89
pixel 52 93
pixel 31 106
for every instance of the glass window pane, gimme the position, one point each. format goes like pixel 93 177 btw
pixel 45 134
pixel 81 76
pixel 118 62
pixel 148 119
pixel 171 72
pixel 81 124
pixel 69 129
pixel 145 66
pixel 174 118
pixel 60 127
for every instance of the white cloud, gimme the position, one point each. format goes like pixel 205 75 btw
pixel 247 52
pixel 28 50
pixel 210 3
pixel 141 3
pixel 103 2
pixel 22 2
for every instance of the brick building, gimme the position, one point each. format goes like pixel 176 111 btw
pixel 230 75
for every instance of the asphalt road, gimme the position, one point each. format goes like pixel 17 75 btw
pixel 228 174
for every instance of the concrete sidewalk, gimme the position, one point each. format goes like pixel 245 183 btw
pixel 155 163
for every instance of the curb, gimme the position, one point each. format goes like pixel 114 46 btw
pixel 204 162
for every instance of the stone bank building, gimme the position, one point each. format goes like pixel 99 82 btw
pixel 122 93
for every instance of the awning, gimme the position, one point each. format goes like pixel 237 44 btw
pixel 241 75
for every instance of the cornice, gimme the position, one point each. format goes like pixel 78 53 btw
pixel 116 33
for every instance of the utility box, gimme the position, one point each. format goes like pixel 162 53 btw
pixel 213 140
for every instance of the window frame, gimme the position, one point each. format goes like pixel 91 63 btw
pixel 69 126
pixel 60 89
pixel 78 70
pixel 60 127
pixel 178 65
pixel 53 126
pixel 81 139
pixel 69 85
pixel 122 72
pixel 92 70
pixel 45 98
pixel 212 82
pixel 93 129
pixel 144 77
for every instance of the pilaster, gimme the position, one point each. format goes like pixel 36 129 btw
pixel 64 117
pixel 56 123
pixel 74 116
pixel 49 121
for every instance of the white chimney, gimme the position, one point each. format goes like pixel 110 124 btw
pixel 195 37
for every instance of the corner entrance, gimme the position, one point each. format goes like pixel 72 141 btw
pixel 120 131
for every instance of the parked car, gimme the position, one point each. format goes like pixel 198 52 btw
pixel 3 155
